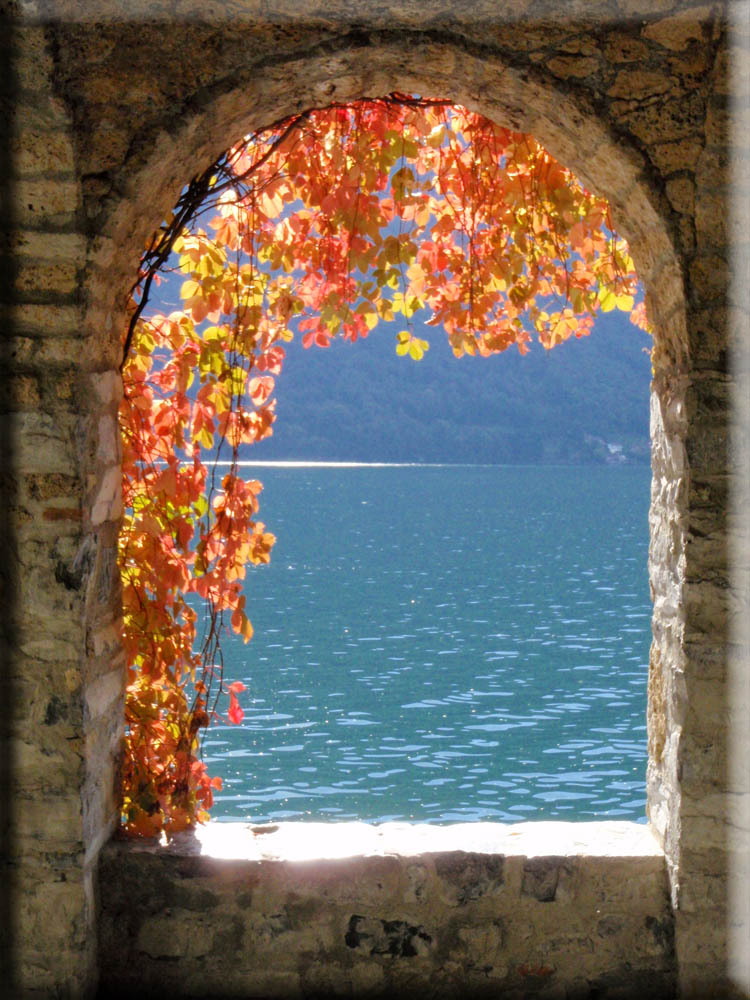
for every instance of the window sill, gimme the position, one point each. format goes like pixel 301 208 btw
pixel 302 841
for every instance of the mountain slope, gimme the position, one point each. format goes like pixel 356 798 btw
pixel 362 402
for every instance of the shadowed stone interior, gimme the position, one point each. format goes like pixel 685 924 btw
pixel 405 910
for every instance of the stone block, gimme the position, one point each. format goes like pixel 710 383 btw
pixel 53 320
pixel 572 67
pixel 682 29
pixel 19 393
pixel 33 64
pixel 39 154
pixel 713 169
pixel 712 220
pixel 639 84
pixel 708 608
pixel 464 878
pixel 51 650
pixel 691 65
pixel 54 920
pixel 709 351
pixel 109 449
pixel 175 935
pixel 366 979
pixel 106 640
pixel 100 807
pixel 540 878
pixel 724 128
pixel 50 247
pixel 46 202
pixel 53 822
pixel 701 892
pixel 397 938
pixel 581 44
pixel 42 772
pixel 708 551
pixel 663 120
pixel 709 277
pixel 107 505
pixel 709 661
pixel 104 691
pixel 42 352
pixel 670 156
pixel 681 195
pixel 702 832
pixel 107 386
pixel 44 486
pixel 685 237
pixel 624 48
pixel 706 862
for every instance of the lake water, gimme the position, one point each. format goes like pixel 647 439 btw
pixel 443 644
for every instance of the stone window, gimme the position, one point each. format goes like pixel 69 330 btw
pixel 656 161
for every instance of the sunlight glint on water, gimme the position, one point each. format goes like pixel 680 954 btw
pixel 443 644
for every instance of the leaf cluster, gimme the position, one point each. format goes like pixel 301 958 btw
pixel 321 227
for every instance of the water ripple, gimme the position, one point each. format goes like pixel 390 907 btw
pixel 493 667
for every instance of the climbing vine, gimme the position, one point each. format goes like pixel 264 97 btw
pixel 319 226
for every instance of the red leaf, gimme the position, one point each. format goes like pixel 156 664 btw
pixel 235 713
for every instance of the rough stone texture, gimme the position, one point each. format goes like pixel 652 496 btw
pixel 111 108
pixel 473 910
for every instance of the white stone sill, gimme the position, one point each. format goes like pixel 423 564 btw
pixel 322 841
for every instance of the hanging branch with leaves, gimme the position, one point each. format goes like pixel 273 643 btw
pixel 319 226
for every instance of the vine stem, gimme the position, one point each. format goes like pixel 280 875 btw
pixel 193 198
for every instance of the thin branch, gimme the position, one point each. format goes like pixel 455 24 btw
pixel 195 194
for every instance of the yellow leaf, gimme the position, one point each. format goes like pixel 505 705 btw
pixel 214 333
pixel 384 309
pixel 417 348
pixel 402 338
pixel 367 310
pixel 190 289
pixel 204 438
pixel 413 346
pixel 406 304
pixel 246 629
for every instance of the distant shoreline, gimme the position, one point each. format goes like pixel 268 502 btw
pixel 322 464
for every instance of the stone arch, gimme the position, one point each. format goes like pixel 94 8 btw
pixel 170 152
pixel 572 132
pixel 164 150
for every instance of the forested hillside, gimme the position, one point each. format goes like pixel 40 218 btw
pixel 362 402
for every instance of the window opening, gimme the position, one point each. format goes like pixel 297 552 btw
pixel 497 656
pixel 322 225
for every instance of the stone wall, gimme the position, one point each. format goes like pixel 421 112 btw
pixel 111 108
pixel 473 910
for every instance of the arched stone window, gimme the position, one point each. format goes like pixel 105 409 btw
pixel 637 109
pixel 578 140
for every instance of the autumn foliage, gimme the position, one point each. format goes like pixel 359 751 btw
pixel 320 226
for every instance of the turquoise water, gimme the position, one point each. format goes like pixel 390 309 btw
pixel 442 644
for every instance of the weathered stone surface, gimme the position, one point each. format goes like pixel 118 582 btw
pixel 679 31
pixel 477 926
pixel 116 108
pixel 540 879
